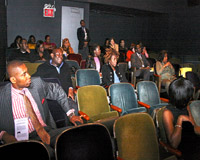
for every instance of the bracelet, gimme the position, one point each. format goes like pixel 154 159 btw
pixel 178 126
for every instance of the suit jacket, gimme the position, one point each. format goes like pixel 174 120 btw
pixel 135 61
pixel 108 75
pixel 81 37
pixel 40 91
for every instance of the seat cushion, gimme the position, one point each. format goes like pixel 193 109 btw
pixel 135 110
pixel 157 106
pixel 104 115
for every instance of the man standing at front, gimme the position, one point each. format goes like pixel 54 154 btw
pixel 84 38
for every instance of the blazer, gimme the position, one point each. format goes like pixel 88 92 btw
pixel 40 91
pixel 81 37
pixel 135 61
pixel 108 75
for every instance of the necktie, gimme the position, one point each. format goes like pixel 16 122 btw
pixel 45 137
pixel 140 57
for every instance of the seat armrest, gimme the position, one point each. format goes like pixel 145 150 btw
pixel 132 85
pixel 157 79
pixel 118 158
pixel 144 104
pixel 84 115
pixel 75 91
pixel 156 75
pixel 106 86
pixel 170 149
pixel 77 87
pixel 164 100
pixel 133 77
pixel 116 108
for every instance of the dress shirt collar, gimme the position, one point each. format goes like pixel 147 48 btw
pixel 17 91
pixel 57 67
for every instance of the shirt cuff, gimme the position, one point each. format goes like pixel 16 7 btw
pixel 70 87
pixel 1 134
pixel 70 112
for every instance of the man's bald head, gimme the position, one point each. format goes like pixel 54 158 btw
pixel 57 50
pixel 57 56
pixel 12 67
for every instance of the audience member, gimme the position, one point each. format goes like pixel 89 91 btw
pixel 178 123
pixel 23 102
pixel 144 52
pixel 40 53
pixel 141 64
pixel 113 45
pixel 31 42
pixel 24 53
pixel 66 47
pixel 16 42
pixel 110 71
pixel 48 44
pixel 57 68
pixel 129 53
pixel 122 50
pixel 165 69
pixel 94 60
pixel 84 38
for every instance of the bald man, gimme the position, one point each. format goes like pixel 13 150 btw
pixel 13 109
pixel 57 68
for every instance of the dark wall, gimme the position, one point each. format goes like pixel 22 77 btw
pixel 151 30
pixel 3 38
pixel 184 31
pixel 25 17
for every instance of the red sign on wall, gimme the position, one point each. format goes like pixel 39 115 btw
pixel 48 12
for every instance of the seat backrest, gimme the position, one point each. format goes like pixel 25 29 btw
pixel 32 67
pixel 123 96
pixel 25 150
pixel 176 68
pixel 159 124
pixel 193 77
pixel 85 142
pixel 123 66
pixel 76 57
pixel 73 65
pixel 83 64
pixel 92 100
pixel 136 137
pixel 195 111
pixel 151 61
pixel 148 92
pixel 86 77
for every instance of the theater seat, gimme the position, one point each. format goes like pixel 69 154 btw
pixel 86 77
pixel 136 137
pixel 24 150
pixel 85 142
pixel 148 93
pixel 124 96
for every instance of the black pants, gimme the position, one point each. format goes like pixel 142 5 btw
pixel 143 73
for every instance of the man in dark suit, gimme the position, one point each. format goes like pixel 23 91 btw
pixel 14 107
pixel 84 38
pixel 141 64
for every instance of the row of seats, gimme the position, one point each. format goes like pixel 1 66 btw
pixel 93 141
